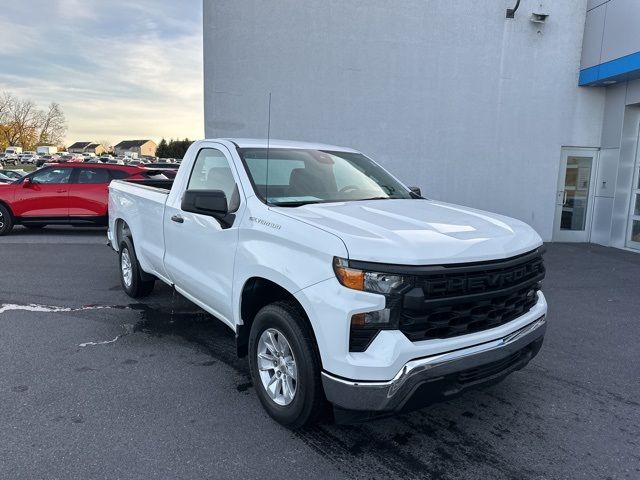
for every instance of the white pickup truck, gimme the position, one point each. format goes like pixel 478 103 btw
pixel 340 283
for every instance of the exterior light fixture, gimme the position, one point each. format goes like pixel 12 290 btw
pixel 512 11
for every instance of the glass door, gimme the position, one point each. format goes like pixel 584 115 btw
pixel 633 237
pixel 574 198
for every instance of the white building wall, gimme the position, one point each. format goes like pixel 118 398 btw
pixel 450 96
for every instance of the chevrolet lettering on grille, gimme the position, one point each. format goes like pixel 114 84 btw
pixel 481 282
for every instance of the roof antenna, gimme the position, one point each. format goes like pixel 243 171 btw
pixel 268 141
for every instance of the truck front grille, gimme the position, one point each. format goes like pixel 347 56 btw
pixel 448 301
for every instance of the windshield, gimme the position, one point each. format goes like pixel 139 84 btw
pixel 298 177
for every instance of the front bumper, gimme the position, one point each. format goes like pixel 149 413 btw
pixel 437 377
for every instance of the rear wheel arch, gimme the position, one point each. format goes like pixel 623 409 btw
pixel 122 231
pixel 134 281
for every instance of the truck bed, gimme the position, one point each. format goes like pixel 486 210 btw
pixel 159 184
pixel 141 203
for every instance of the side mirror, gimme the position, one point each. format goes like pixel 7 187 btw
pixel 26 182
pixel 212 203
pixel 416 191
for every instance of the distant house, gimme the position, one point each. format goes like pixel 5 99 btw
pixel 141 147
pixel 87 147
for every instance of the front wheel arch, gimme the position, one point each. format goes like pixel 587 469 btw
pixel 10 221
pixel 257 293
pixel 6 205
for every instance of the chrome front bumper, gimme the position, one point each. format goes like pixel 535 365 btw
pixel 437 370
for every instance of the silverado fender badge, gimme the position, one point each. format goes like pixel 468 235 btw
pixel 265 223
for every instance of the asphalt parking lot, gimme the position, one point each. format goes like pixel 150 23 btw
pixel 95 386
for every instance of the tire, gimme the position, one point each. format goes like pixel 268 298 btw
pixel 307 402
pixel 6 221
pixel 131 278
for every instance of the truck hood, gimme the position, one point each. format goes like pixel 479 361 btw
pixel 418 232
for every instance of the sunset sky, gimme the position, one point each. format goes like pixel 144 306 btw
pixel 120 69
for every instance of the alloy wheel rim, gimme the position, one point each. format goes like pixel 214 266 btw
pixel 277 366
pixel 1 220
pixel 125 266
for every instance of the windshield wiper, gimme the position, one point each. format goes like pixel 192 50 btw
pixel 298 203
pixel 374 198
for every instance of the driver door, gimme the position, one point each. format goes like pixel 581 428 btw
pixel 46 195
pixel 199 250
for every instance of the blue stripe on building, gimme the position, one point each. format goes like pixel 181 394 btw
pixel 623 68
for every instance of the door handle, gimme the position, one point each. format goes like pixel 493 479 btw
pixel 177 219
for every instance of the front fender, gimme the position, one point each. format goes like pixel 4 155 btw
pixel 288 252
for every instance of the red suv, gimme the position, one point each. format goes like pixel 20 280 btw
pixel 62 194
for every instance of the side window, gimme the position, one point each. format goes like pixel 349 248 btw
pixel 52 175
pixel 93 175
pixel 211 171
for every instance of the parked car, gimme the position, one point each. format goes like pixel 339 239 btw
pixel 28 158
pixel 13 174
pixel 46 150
pixel 13 151
pixel 68 193
pixel 4 178
pixel 139 163
pixel 163 165
pixel 70 158
pixel 43 159
pixel 340 282
pixel 10 159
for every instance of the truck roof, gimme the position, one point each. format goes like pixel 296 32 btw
pixel 275 143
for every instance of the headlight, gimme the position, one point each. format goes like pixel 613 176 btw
pixel 375 282
pixel 366 325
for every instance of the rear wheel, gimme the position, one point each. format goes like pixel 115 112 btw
pixel 285 365
pixel 6 221
pixel 131 275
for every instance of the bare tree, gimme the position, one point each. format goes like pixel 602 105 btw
pixel 107 144
pixel 52 125
pixel 23 124
pixel 5 104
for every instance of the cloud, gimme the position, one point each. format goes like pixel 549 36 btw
pixel 16 39
pixel 75 9
pixel 118 70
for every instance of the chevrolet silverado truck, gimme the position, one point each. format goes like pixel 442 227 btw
pixel 340 283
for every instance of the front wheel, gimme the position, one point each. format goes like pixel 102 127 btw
pixel 285 365
pixel 131 275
